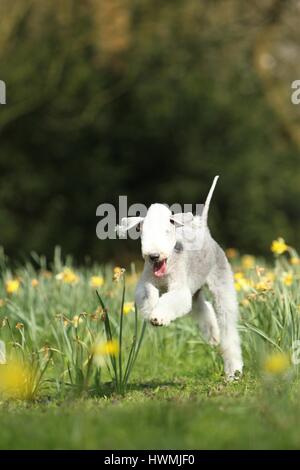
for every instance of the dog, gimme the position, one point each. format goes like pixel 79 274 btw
pixel 180 258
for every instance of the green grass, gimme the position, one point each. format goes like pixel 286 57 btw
pixel 198 413
pixel 177 396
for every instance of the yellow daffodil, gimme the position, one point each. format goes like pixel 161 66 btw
pixel 248 261
pixel 266 279
pixel 68 276
pixel 14 379
pixel 118 273
pixel 264 284
pixel 12 286
pixel 277 363
pixel 96 281
pixel 34 282
pixel 279 246
pixel 128 307
pixel 241 282
pixel 238 276
pixel 231 253
pixel 246 283
pixel 287 279
pixel 295 261
pixel 106 348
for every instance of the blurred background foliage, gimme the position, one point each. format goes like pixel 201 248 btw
pixel 149 99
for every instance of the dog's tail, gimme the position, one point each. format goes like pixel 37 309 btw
pixel 207 202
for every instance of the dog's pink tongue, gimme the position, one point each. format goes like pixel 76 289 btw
pixel 160 268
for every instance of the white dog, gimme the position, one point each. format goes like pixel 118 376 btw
pixel 180 257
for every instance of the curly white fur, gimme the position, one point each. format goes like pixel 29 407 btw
pixel 190 257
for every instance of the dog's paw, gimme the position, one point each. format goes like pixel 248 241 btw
pixel 155 322
pixel 233 371
pixel 157 319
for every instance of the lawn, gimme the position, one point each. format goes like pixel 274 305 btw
pixel 59 389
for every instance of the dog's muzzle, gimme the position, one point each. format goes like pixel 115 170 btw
pixel 154 258
pixel 159 265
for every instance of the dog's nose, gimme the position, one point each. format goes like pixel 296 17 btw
pixel 154 257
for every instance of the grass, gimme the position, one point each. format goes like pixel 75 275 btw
pixel 199 413
pixel 176 396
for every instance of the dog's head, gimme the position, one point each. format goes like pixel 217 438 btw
pixel 158 234
pixel 159 231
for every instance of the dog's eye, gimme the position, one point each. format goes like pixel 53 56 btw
pixel 172 221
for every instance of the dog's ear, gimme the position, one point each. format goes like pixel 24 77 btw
pixel 181 219
pixel 207 202
pixel 127 223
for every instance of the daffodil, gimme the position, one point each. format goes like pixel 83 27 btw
pixel 287 279
pixel 248 261
pixel 128 307
pixel 279 246
pixel 266 280
pixel 20 326
pixel 67 276
pixel 14 379
pixel 238 276
pixel 264 284
pixel 295 261
pixel 34 282
pixel 106 348
pixel 241 282
pixel 118 273
pixel 12 286
pixel 96 281
pixel 277 363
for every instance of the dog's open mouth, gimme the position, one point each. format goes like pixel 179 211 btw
pixel 160 268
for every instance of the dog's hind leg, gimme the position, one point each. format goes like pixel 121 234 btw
pixel 205 316
pixel 220 283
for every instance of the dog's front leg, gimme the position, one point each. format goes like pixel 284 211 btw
pixel 146 297
pixel 175 303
